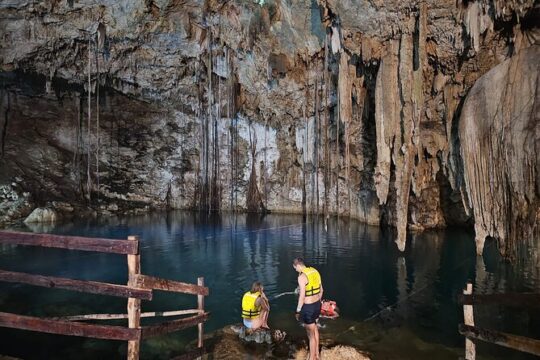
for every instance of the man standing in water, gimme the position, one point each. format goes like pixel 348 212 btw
pixel 309 303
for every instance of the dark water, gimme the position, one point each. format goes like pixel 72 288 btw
pixel 395 305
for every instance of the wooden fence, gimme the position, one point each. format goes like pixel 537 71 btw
pixel 139 287
pixel 472 332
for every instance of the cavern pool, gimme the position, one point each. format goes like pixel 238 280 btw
pixel 394 305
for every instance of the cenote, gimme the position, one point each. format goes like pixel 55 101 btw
pixel 394 305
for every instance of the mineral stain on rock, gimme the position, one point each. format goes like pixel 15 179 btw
pixel 404 113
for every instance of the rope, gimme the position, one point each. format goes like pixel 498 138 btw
pixel 209 237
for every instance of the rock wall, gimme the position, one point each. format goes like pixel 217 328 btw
pixel 324 107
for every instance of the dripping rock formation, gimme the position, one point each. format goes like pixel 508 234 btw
pixel 413 114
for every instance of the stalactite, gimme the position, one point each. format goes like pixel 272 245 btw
pixel 215 155
pixel 199 198
pixel 234 145
pixel 97 125
pixel 346 73
pixel 88 159
pixel 253 199
pixel 348 164
pixel 337 167
pixel 78 142
pixel 316 147
pixel 399 103
pixel 498 130
pixel 313 153
pixel 168 197
pixel 209 128
pixel 229 117
pixel 5 125
pixel 263 170
pixel 327 161
pixel 304 195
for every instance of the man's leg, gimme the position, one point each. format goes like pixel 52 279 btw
pixel 316 336
pixel 313 350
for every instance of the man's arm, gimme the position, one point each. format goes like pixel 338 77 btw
pixel 302 281
pixel 321 293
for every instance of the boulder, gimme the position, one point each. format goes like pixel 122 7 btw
pixel 42 215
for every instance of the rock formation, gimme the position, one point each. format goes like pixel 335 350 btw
pixel 323 107
pixel 499 131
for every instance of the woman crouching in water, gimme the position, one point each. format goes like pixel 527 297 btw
pixel 255 308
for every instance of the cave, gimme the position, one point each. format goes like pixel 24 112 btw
pixel 413 126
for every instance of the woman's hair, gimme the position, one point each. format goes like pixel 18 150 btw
pixel 256 286
pixel 298 260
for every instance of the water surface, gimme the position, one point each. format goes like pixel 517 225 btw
pixel 395 305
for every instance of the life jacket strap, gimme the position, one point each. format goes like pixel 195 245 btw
pixel 313 291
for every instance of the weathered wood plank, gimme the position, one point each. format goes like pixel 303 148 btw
pixel 134 305
pixel 70 242
pixel 171 326
pixel 92 287
pixel 151 282
pixel 468 316
pixel 200 307
pixel 125 316
pixel 521 343
pixel 193 354
pixel 523 300
pixel 67 328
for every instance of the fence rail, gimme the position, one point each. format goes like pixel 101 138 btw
pixel 92 287
pixel 472 332
pixel 515 342
pixel 139 287
pixel 70 242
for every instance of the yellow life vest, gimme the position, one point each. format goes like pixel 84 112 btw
pixel 313 286
pixel 250 310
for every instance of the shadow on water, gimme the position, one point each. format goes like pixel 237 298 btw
pixel 395 305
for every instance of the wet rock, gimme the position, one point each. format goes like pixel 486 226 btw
pixel 267 336
pixel 14 204
pixel 42 215
pixel 339 352
pixel 62 207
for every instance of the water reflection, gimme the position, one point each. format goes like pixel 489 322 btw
pixel 408 299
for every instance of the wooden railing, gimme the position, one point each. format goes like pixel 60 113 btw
pixel 472 332
pixel 139 287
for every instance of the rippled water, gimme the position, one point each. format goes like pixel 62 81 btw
pixel 395 305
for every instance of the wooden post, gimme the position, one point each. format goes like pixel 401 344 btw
pixel 200 307
pixel 468 316
pixel 134 305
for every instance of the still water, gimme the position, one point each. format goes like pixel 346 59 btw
pixel 394 305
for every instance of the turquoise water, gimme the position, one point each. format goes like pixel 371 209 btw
pixel 395 305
